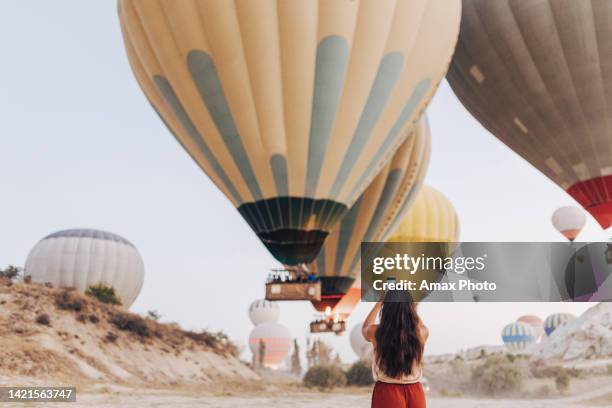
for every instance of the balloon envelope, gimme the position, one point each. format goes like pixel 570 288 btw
pixel 386 199
pixel 555 320
pixel 359 344
pixel 276 341
pixel 537 75
pixel 517 336
pixel 290 107
pixel 432 218
pixel 263 311
pixel 535 322
pixel 569 221
pixel 80 258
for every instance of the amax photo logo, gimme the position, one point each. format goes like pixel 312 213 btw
pixel 486 271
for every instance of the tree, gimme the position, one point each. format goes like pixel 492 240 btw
pixel 296 364
pixel 261 358
pixel 10 272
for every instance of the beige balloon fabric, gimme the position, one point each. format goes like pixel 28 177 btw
pixel 432 218
pixel 80 258
pixel 277 344
pixel 537 75
pixel 263 311
pixel 369 220
pixel 290 107
pixel 569 221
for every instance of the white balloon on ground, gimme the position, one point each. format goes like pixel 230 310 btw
pixel 263 311
pixel 81 258
pixel 359 344
pixel 277 343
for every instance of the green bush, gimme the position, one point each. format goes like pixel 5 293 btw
pixel 497 375
pixel 132 323
pixel 104 293
pixel 360 374
pixel 324 377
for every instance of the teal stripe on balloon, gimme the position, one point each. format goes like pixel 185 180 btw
pixel 207 81
pixel 394 134
pixel 321 262
pixel 347 226
pixel 387 76
pixel 167 92
pixel 330 70
pixel 278 164
pixel 392 185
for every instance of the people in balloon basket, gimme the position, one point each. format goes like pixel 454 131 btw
pixel 398 343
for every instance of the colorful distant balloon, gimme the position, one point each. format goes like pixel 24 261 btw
pixel 569 221
pixel 359 344
pixel 535 322
pixel 263 311
pixel 290 107
pixel 517 336
pixel 536 75
pixel 432 218
pixel 276 341
pixel 556 320
pixel 80 258
pixel 387 198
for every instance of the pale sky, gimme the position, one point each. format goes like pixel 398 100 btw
pixel 81 147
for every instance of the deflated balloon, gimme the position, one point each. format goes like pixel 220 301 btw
pixel 290 107
pixel 387 198
pixel 537 75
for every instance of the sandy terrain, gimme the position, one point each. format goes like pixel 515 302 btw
pixel 311 399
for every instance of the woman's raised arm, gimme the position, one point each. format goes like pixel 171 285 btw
pixel 369 324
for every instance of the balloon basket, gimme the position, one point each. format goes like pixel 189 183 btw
pixel 327 326
pixel 293 291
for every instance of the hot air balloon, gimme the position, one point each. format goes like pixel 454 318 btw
pixel 536 324
pixel 274 340
pixel 517 336
pixel 536 75
pixel 555 320
pixel 80 258
pixel 263 311
pixel 290 107
pixel 386 199
pixel 359 344
pixel 432 218
pixel 569 221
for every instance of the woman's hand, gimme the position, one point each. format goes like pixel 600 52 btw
pixel 369 324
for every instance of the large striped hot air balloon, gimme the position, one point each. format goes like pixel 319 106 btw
pixel 517 336
pixel 555 320
pixel 537 75
pixel 270 344
pixel 387 198
pixel 569 221
pixel 80 258
pixel 290 107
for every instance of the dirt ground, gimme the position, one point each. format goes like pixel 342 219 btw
pixel 338 399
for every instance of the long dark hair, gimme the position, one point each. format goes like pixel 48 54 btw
pixel 398 344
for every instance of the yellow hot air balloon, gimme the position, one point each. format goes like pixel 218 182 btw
pixel 432 218
pixel 386 199
pixel 290 107
pixel 537 75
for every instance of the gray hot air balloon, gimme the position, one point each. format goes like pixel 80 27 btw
pixel 537 74
pixel 80 258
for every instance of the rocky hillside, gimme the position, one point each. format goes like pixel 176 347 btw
pixel 59 334
pixel 587 337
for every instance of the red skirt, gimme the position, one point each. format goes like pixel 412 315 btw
pixel 387 395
